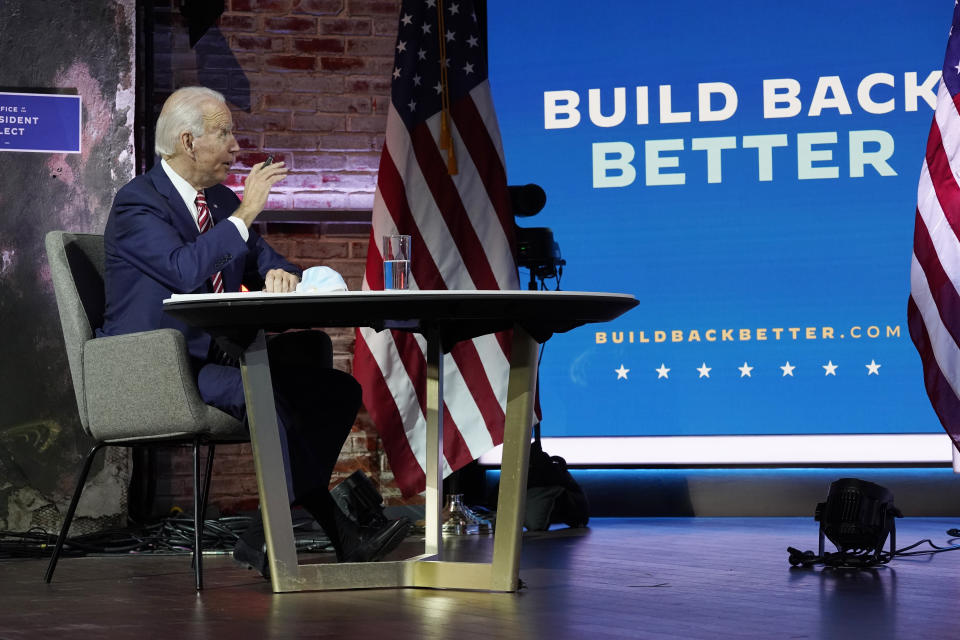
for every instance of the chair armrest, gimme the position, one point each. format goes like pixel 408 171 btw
pixel 141 385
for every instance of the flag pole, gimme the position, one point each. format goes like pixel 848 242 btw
pixel 446 140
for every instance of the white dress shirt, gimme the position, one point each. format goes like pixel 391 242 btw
pixel 189 195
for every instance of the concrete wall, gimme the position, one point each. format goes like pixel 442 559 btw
pixel 76 47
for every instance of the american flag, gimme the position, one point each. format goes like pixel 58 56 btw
pixel 442 181
pixel 934 307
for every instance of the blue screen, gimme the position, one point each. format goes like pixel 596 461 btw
pixel 748 170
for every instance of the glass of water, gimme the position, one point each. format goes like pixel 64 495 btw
pixel 396 262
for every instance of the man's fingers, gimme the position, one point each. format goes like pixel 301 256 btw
pixel 275 169
pixel 279 164
pixel 279 281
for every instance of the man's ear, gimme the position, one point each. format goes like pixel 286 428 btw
pixel 186 144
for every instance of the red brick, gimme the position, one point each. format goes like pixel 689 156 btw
pixel 290 63
pixel 343 104
pixel 359 85
pixel 290 24
pixel 256 43
pixel 346 26
pixel 345 363
pixel 323 249
pixel 248 142
pixel 283 247
pixel 346 466
pixel 341 336
pixel 319 7
pixel 246 63
pixel 349 181
pixel 320 200
pixel 374 8
pixel 238 505
pixel 330 63
pixel 373 124
pixel 278 201
pixel 266 83
pixel 261 121
pixel 304 122
pixel 358 249
pixel 289 102
pixel 360 201
pixel 230 22
pixel 347 268
pixel 289 141
pixel 235 181
pixel 316 83
pixel 363 161
pixel 242 5
pixel 371 46
pixel 273 6
pixel 386 27
pixel 300 182
pixel 379 86
pixel 318 162
pixel 318 45
pixel 347 141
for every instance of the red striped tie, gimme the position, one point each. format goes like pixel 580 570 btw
pixel 205 223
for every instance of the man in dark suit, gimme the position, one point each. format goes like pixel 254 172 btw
pixel 176 229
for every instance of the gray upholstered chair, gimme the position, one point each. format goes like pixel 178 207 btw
pixel 132 390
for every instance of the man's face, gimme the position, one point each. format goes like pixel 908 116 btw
pixel 216 149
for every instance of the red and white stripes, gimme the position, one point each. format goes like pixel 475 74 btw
pixel 934 305
pixel 462 230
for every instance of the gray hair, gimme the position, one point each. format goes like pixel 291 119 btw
pixel 181 113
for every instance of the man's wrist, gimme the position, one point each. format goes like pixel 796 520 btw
pixel 241 227
pixel 245 214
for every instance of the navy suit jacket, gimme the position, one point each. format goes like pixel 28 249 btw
pixel 154 249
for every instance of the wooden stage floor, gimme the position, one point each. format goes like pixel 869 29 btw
pixel 621 578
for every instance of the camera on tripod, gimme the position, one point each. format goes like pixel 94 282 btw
pixel 537 251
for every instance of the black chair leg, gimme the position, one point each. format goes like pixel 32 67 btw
pixel 197 518
pixel 68 518
pixel 205 494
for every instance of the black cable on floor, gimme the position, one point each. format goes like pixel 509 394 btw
pixel 170 535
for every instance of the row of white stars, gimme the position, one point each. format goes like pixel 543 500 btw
pixel 450 36
pixel 473 41
pixel 454 9
pixel 830 369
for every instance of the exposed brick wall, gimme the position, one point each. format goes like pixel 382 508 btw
pixel 319 86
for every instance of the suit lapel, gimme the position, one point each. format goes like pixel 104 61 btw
pixel 180 216
pixel 184 223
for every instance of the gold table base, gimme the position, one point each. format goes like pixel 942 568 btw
pixel 426 570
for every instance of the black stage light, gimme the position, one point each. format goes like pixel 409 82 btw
pixel 526 200
pixel 857 517
pixel 536 248
pixel 538 251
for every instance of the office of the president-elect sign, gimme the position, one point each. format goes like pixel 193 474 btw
pixel 40 122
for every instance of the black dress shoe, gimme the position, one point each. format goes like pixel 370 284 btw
pixel 251 548
pixel 370 544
